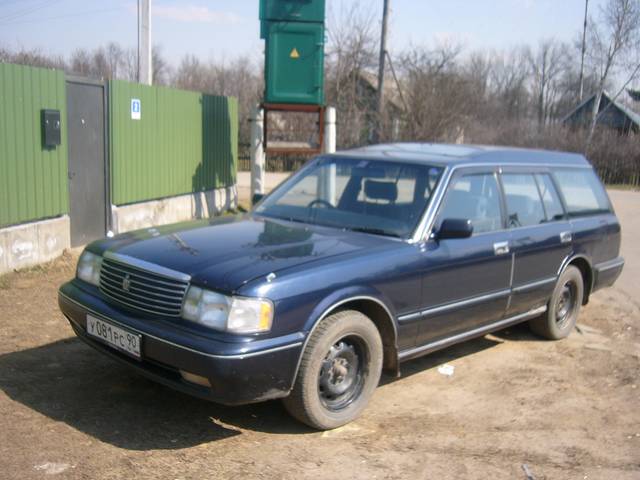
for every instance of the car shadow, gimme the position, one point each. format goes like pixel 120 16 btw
pixel 518 333
pixel 432 360
pixel 69 382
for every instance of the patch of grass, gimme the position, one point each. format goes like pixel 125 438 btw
pixel 65 261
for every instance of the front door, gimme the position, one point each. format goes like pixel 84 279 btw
pixel 87 168
pixel 467 281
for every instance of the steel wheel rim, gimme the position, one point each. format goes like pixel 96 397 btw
pixel 342 373
pixel 565 304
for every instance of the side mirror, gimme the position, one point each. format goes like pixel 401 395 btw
pixel 256 198
pixel 455 228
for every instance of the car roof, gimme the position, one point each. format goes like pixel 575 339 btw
pixel 450 155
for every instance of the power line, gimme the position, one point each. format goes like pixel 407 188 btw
pixel 60 17
pixel 27 11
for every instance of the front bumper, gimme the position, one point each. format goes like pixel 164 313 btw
pixel 239 372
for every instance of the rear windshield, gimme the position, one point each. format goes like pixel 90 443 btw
pixel 582 191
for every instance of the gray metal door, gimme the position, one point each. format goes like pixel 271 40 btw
pixel 87 167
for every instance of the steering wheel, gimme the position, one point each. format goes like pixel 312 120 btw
pixel 319 201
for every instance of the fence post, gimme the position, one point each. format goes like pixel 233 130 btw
pixel 258 157
pixel 327 182
pixel 330 130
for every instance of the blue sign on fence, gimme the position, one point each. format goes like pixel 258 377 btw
pixel 136 109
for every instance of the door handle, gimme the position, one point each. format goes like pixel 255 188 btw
pixel 566 237
pixel 501 248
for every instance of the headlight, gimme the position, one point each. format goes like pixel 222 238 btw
pixel 89 268
pixel 231 314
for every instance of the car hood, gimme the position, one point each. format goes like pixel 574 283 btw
pixel 228 252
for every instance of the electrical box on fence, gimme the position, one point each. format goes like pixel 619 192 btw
pixel 294 64
pixel 51 128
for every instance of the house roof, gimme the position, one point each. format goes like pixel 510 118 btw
pixel 633 116
pixel 391 93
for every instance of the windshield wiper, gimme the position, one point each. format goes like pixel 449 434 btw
pixel 373 230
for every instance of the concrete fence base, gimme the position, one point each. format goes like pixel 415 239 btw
pixel 33 243
pixel 173 209
pixel 37 242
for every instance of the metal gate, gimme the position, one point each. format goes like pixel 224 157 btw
pixel 88 170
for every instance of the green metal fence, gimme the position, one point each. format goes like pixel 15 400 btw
pixel 33 179
pixel 182 142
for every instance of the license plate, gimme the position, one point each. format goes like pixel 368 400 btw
pixel 115 337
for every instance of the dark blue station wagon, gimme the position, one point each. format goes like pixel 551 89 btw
pixel 359 261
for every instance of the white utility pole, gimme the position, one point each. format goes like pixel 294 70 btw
pixel 145 68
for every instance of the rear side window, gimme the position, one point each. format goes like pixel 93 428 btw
pixel 550 198
pixel 474 197
pixel 582 191
pixel 524 206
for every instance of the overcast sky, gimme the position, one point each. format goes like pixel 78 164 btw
pixel 227 28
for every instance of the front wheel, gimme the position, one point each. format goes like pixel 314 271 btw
pixel 339 371
pixel 564 306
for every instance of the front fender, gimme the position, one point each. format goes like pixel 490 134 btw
pixel 339 297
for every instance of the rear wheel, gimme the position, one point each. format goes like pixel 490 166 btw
pixel 564 306
pixel 339 371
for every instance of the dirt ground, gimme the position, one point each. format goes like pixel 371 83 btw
pixel 568 409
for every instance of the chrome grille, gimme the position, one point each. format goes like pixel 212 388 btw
pixel 142 289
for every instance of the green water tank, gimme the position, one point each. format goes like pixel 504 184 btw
pixel 294 64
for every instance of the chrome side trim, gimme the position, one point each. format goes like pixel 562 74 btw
pixel 610 264
pixel 239 356
pixel 147 266
pixel 454 305
pixel 511 274
pixel 471 301
pixel 445 342
pixel 532 285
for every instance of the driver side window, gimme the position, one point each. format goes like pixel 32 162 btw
pixel 474 197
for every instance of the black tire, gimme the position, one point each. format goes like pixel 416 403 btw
pixel 343 353
pixel 564 306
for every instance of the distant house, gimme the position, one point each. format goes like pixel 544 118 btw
pixel 367 91
pixel 612 114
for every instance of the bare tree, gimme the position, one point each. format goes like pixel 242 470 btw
pixel 437 93
pixel 161 68
pixel 33 57
pixel 547 65
pixel 612 42
pixel 508 83
pixel 351 53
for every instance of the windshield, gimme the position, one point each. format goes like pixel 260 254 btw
pixel 374 196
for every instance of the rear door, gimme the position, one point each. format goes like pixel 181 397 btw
pixel 541 236
pixel 466 281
